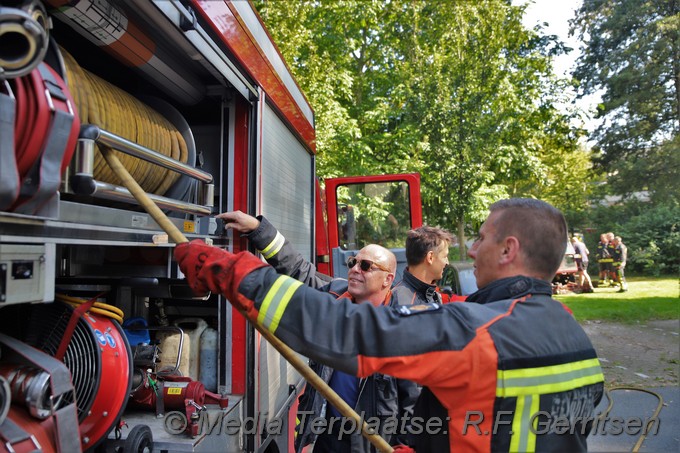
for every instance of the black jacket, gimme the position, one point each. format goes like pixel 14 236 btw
pixel 412 291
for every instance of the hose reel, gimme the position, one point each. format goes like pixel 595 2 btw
pixel 118 112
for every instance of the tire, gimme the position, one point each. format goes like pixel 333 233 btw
pixel 140 440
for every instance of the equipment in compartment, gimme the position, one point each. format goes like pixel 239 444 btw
pixel 26 273
pixel 107 25
pixel 40 116
pixel 43 414
pixel 185 188
pixel 208 352
pixel 136 331
pixel 5 399
pixel 193 328
pixel 174 392
pixel 146 78
pixel 175 351
pixel 158 156
pixel 98 356
pixel 116 111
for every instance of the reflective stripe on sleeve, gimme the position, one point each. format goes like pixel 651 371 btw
pixel 548 379
pixel 273 247
pixel 275 302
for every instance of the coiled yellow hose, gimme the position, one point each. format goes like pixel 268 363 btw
pixel 120 113
pixel 645 429
pixel 99 308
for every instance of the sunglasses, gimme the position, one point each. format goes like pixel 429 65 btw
pixel 365 265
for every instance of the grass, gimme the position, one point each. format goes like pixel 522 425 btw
pixel 648 298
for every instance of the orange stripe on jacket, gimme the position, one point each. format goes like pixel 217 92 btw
pixel 464 381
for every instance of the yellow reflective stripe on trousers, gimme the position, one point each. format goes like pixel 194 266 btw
pixel 548 379
pixel 523 435
pixel 273 247
pixel 275 302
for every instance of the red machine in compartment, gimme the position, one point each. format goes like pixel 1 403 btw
pixel 112 383
pixel 176 392
pixel 97 355
pixel 39 436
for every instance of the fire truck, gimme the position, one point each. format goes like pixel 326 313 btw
pixel 103 347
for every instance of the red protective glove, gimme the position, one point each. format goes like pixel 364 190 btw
pixel 403 449
pixel 211 268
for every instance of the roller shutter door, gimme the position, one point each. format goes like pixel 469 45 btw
pixel 287 187
pixel 287 202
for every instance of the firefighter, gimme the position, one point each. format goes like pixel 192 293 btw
pixel 427 254
pixel 619 263
pixel 427 250
pixel 604 260
pixel 370 277
pixel 508 366
pixel 611 250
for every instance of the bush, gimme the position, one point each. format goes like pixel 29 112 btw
pixel 654 244
pixel 651 233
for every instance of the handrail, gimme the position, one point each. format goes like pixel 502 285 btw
pixel 106 138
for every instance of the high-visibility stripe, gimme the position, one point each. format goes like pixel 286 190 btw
pixel 548 379
pixel 275 302
pixel 523 435
pixel 273 247
pixel 528 384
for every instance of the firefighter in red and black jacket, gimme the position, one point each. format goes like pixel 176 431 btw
pixel 512 368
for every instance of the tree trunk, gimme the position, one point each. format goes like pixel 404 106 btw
pixel 462 253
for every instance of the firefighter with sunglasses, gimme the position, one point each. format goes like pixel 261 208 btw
pixel 376 397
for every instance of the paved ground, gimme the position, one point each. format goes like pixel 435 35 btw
pixel 641 365
pixel 631 406
pixel 641 355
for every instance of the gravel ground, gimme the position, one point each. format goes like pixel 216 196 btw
pixel 645 357
pixel 640 355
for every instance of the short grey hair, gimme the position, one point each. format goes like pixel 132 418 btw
pixel 540 228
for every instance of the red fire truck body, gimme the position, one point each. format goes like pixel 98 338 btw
pixel 102 345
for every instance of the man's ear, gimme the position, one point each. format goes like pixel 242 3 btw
pixel 429 258
pixel 388 280
pixel 510 250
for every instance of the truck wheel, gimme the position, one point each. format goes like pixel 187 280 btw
pixel 140 440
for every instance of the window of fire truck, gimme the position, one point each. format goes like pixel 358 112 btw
pixel 373 213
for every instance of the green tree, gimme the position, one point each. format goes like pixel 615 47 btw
pixel 651 233
pixel 312 40
pixel 458 91
pixel 343 55
pixel 631 54
pixel 483 92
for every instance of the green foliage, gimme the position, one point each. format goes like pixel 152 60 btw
pixel 653 240
pixel 651 233
pixel 458 91
pixel 632 56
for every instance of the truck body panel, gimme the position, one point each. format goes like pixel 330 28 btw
pixel 196 100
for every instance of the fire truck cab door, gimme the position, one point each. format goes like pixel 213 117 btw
pixel 366 210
